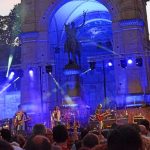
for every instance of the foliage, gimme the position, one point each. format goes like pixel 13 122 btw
pixel 10 28
pixel 5 30
pixel 15 21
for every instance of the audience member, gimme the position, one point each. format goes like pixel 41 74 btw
pixel 90 140
pixel 143 130
pixel 21 140
pixel 4 145
pixel 124 138
pixel 38 142
pixel 145 122
pixel 145 140
pixel 6 135
pixel 60 137
pixel 39 129
pixel 49 134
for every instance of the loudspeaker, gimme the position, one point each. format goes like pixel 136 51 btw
pixel 139 61
pixel 48 68
pixel 92 65
pixel 123 63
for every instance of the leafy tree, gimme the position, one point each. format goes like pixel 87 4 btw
pixel 15 22
pixel 10 28
pixel 5 35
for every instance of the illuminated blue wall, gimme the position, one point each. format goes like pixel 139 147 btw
pixel 9 102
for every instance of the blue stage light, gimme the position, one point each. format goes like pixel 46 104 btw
pixel 11 76
pixel 110 64
pixel 130 61
pixel 31 73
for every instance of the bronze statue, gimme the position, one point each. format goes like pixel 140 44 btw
pixel 72 45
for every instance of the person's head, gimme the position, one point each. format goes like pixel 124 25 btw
pixel 39 129
pixel 90 140
pixel 56 108
pixel 6 135
pixel 60 134
pixel 124 138
pixel 38 142
pixel 99 106
pixel 144 122
pixel 84 132
pixel 136 127
pixel 143 130
pixel 4 145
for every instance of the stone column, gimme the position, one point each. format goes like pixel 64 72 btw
pixel 35 92
pixel 30 88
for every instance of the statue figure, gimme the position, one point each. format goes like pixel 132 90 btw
pixel 72 46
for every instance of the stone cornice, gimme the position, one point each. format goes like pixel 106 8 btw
pixel 132 22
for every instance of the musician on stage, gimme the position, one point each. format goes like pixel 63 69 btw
pixel 100 116
pixel 20 121
pixel 55 117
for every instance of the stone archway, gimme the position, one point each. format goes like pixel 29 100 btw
pixel 36 48
pixel 93 38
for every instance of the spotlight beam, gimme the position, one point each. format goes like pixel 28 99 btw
pixel 83 73
pixel 108 50
pixel 57 84
pixel 8 85
pixel 9 64
pixel 5 88
pixel 10 59
pixel 66 97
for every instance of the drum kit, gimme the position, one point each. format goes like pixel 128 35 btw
pixel 70 121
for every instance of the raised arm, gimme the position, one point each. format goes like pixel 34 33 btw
pixel 84 15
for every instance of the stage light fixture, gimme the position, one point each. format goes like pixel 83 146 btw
pixel 110 64
pixel 11 76
pixel 130 61
pixel 92 65
pixel 123 63
pixel 31 73
pixel 139 61
pixel 48 68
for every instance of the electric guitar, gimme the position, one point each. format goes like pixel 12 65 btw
pixel 101 117
pixel 20 122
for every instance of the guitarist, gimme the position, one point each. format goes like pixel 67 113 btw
pixel 100 116
pixel 55 117
pixel 20 121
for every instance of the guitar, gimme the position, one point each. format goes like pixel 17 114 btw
pixel 20 122
pixel 101 117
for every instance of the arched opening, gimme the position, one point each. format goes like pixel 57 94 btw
pixel 95 39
